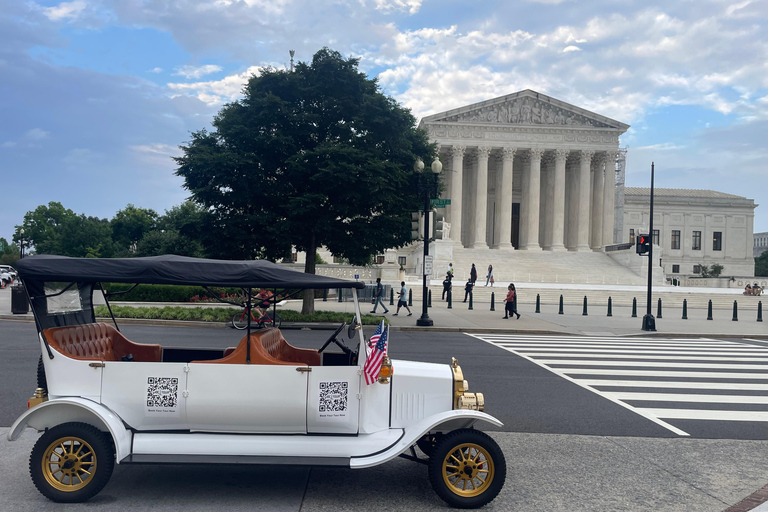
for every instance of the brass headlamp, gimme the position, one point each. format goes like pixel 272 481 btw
pixel 462 399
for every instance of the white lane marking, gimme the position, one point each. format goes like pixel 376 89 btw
pixel 643 373
pixel 622 343
pixel 687 357
pixel 679 352
pixel 658 364
pixel 674 384
pixel 689 397
pixel 532 344
pixel 702 414
pixel 650 417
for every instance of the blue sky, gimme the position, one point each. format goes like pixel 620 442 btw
pixel 96 95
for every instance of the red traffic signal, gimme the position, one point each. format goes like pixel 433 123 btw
pixel 643 244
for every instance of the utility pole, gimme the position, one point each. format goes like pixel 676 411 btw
pixel 649 323
pixel 292 52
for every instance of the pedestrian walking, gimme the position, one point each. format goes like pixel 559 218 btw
pixel 473 274
pixel 447 285
pixel 379 297
pixel 401 302
pixel 510 306
pixel 468 289
pixel 489 276
pixel 450 270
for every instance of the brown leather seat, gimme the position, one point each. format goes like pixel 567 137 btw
pixel 99 342
pixel 259 354
pixel 274 343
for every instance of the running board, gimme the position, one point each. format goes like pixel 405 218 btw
pixel 234 459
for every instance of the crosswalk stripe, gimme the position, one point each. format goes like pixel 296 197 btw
pixel 653 363
pixel 692 397
pixel 703 414
pixel 744 386
pixel 657 364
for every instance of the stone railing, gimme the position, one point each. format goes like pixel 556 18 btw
pixel 366 274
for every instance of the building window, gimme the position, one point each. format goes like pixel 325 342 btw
pixel 697 269
pixel 696 245
pixel 294 256
pixel 675 239
pixel 675 269
pixel 655 237
pixel 717 241
pixel 379 259
pixel 632 236
pixel 401 261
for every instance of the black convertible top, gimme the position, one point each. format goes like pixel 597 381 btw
pixel 172 269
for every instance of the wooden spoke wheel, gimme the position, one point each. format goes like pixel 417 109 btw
pixel 467 468
pixel 72 462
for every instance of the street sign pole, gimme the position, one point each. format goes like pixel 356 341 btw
pixel 649 323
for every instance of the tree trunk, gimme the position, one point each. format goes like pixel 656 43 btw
pixel 308 307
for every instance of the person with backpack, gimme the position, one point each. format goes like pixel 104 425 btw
pixel 510 306
pixel 379 297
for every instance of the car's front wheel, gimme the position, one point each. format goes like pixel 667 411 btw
pixel 467 468
pixel 72 462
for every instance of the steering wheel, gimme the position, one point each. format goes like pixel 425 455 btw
pixel 337 342
pixel 352 328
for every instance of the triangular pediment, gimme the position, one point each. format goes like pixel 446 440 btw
pixel 526 108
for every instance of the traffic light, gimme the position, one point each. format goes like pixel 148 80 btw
pixel 415 226
pixel 643 244
pixel 438 229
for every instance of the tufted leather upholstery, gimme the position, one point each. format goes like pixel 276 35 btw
pixel 99 342
pixel 269 347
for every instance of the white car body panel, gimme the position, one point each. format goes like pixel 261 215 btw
pixel 443 422
pixel 419 390
pixel 251 398
pixel 71 377
pixel 333 405
pixel 64 410
pixel 264 445
pixel 134 390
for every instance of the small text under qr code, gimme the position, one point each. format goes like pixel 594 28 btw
pixel 333 396
pixel 162 392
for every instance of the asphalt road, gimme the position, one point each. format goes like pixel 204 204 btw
pixel 525 395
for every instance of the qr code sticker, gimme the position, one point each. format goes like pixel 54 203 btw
pixel 162 392
pixel 333 396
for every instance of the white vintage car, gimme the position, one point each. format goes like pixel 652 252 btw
pixel 104 399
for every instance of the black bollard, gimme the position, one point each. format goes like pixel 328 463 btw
pixel 709 310
pixel 560 311
pixel 538 304
pixel 493 301
pixel 610 307
pixel 685 309
pixel 760 311
pixel 735 312
pixel 658 309
pixel 325 294
pixel 341 299
pixel 429 299
pixel 391 297
pixel 410 297
pixel 450 299
pixel 470 300
pixel 634 307
pixel 584 313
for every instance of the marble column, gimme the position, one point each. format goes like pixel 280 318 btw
pixel 504 214
pixel 481 199
pixel 522 236
pixel 457 166
pixel 596 242
pixel 533 196
pixel 609 198
pixel 547 199
pixel 582 238
pixel 558 202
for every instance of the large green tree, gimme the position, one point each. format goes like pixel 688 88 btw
pixel 314 157
pixel 130 224
pixel 761 265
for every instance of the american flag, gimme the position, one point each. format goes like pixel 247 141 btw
pixel 376 334
pixel 373 363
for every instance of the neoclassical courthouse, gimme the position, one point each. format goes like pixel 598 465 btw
pixel 532 184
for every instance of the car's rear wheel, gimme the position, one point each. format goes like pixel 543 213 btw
pixel 72 462
pixel 467 468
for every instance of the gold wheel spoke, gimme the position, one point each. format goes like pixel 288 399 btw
pixel 454 458
pixel 78 477
pixel 483 471
pixel 449 466
pixel 85 471
pixel 79 450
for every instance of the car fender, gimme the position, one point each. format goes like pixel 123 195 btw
pixel 65 410
pixel 443 422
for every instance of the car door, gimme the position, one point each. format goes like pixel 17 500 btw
pixel 334 400
pixel 248 398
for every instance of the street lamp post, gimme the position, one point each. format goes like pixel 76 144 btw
pixel 21 242
pixel 427 188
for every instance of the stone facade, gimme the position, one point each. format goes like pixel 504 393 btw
pixel 760 243
pixel 526 171
pixel 694 227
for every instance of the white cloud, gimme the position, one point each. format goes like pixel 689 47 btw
pixel 571 49
pixel 197 71
pixel 8 144
pixel 412 6
pixel 665 146
pixel 219 91
pixel 156 70
pixel 65 10
pixel 36 134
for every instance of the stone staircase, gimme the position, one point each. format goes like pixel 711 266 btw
pixel 540 267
